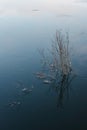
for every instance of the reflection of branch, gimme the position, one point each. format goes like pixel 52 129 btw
pixel 64 89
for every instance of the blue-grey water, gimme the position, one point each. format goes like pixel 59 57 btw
pixel 22 33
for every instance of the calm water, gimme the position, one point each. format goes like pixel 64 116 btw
pixel 21 35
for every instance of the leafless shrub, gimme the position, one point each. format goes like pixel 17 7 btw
pixel 60 53
pixel 59 59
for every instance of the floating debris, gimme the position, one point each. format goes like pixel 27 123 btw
pixel 13 104
pixel 40 75
pixel 35 10
pixel 47 81
pixel 26 90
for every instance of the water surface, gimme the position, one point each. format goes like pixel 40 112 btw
pixel 23 31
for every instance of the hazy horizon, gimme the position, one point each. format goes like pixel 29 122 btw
pixel 26 6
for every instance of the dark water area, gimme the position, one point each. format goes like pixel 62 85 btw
pixel 20 38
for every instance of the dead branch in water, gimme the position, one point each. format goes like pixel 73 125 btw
pixel 60 53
